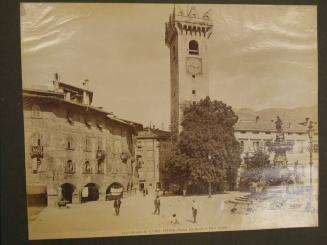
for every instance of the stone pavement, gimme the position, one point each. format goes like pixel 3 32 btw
pixel 97 219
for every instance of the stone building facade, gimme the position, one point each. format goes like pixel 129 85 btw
pixel 186 36
pixel 153 149
pixel 255 135
pixel 73 150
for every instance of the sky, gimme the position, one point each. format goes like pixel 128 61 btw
pixel 259 56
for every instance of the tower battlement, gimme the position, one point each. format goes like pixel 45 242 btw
pixel 188 22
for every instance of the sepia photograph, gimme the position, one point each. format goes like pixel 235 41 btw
pixel 144 119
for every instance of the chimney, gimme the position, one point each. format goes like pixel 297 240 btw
pixel 56 82
pixel 307 121
pixel 56 77
pixel 257 119
pixel 86 83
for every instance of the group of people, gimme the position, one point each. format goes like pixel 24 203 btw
pixel 174 220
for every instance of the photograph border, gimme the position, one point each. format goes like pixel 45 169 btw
pixel 14 227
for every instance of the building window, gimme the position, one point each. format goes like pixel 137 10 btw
pixel 242 146
pixel 149 154
pixel 87 144
pixel 256 145
pixel 100 168
pixel 267 145
pixel 193 47
pixel 193 91
pixel 69 167
pixel 36 111
pixel 87 167
pixel 174 52
pixel 267 132
pixel 36 165
pixel 100 144
pixel 70 143
pixel 37 139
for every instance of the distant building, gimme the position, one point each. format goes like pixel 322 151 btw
pixel 153 148
pixel 73 150
pixel 255 135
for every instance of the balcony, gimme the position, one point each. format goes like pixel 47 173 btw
pixel 37 151
pixel 87 171
pixel 69 170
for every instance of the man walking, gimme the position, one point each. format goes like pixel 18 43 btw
pixel 194 210
pixel 117 204
pixel 156 206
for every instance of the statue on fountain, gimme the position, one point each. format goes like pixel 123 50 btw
pixel 280 146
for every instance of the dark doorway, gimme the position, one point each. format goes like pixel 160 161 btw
pixel 141 186
pixel 67 191
pixel 93 193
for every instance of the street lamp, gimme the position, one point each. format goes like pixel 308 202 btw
pixel 209 181
pixel 310 134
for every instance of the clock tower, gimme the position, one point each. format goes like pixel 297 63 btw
pixel 186 36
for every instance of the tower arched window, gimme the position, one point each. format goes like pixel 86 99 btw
pixel 193 47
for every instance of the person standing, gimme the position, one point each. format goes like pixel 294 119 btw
pixel 117 204
pixel 156 206
pixel 194 210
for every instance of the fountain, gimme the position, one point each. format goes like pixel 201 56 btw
pixel 280 146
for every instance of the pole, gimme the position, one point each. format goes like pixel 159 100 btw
pixel 209 189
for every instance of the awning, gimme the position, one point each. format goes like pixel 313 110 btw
pixel 116 191
pixel 36 189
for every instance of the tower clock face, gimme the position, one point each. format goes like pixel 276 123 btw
pixel 193 65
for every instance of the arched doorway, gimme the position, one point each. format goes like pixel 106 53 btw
pixel 67 191
pixel 114 191
pixel 90 192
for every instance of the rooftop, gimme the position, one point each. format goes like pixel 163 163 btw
pixel 154 133
pixel 269 126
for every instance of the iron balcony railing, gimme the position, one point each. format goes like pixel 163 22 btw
pixel 37 151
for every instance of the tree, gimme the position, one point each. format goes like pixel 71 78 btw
pixel 207 151
pixel 257 168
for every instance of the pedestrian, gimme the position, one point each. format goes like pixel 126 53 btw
pixel 146 191
pixel 174 220
pixel 194 210
pixel 117 204
pixel 156 205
